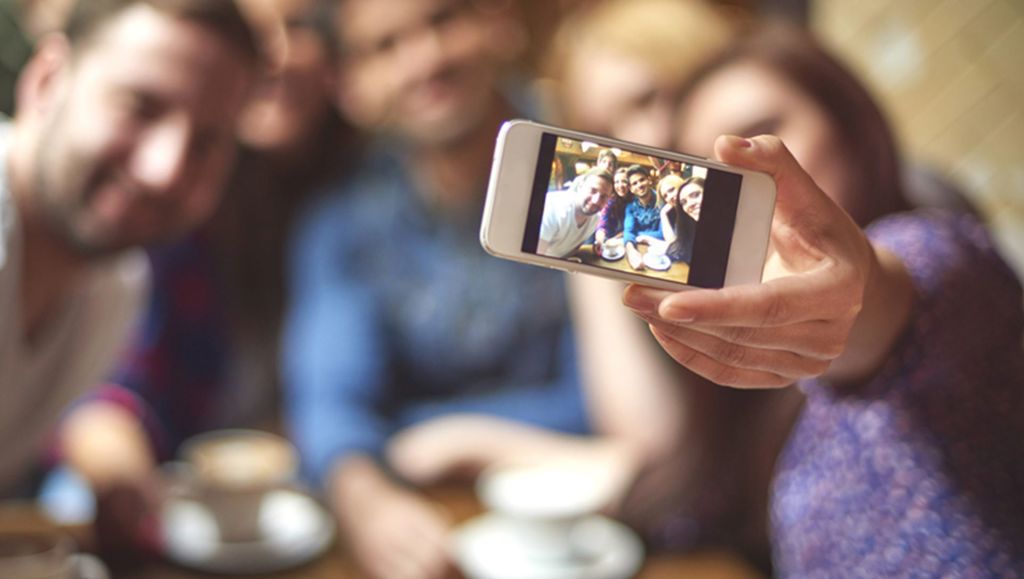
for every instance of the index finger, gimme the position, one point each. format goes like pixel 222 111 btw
pixel 779 302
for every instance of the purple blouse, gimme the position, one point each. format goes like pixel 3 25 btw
pixel 920 471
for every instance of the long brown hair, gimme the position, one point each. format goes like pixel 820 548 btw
pixel 798 57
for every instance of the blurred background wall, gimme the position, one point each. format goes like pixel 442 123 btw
pixel 950 74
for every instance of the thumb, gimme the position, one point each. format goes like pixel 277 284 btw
pixel 798 197
pixel 807 223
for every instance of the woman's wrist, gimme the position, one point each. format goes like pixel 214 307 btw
pixel 888 300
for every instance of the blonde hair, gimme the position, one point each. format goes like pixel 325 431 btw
pixel 673 37
pixel 665 182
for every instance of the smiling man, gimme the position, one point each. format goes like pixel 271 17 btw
pixel 124 135
pixel 571 217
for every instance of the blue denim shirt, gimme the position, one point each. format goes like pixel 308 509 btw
pixel 398 316
pixel 641 220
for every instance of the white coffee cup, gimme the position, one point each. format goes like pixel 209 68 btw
pixel 542 505
pixel 230 472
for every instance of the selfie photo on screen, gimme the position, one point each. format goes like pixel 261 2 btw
pixel 586 203
pixel 621 210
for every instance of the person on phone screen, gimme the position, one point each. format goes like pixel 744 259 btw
pixel 124 136
pixel 679 215
pixel 901 329
pixel 571 217
pixel 642 222
pixel 606 160
pixel 609 224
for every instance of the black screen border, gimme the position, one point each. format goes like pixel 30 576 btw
pixel 715 229
pixel 541 179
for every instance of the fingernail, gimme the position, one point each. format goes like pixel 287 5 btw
pixel 740 142
pixel 640 301
pixel 678 314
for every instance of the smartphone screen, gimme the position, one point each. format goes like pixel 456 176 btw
pixel 629 211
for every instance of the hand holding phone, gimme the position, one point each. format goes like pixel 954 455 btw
pixel 584 203
pixel 821 287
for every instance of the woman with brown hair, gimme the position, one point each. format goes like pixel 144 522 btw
pixel 904 339
pixel 614 213
pixel 619 67
pixel 679 214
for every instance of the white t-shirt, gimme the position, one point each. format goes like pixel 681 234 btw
pixel 71 354
pixel 558 227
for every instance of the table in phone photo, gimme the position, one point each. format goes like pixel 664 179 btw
pixel 677 271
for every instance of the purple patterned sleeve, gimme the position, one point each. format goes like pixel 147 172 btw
pixel 968 313
pixel 919 471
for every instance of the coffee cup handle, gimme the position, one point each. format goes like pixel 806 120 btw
pixel 89 567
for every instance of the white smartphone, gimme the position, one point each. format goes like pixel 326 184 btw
pixel 585 203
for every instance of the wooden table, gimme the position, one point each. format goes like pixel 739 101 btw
pixel 337 564
pixel 678 272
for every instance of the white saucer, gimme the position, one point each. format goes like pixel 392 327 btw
pixel 487 548
pixel 613 252
pixel 657 261
pixel 295 528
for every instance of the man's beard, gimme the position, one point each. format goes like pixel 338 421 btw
pixel 55 206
